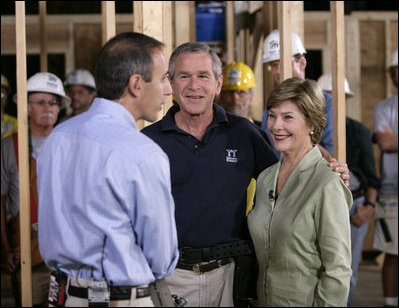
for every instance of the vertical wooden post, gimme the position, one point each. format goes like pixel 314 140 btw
pixel 23 156
pixel 154 18
pixel 338 78
pixel 168 41
pixel 138 16
pixel 270 21
pixel 153 25
pixel 138 27
pixel 183 22
pixel 230 32
pixel 43 36
pixel 108 20
pixel 193 35
pixel 284 22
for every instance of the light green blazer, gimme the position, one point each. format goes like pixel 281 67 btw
pixel 302 241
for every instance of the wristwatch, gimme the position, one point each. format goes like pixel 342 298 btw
pixel 370 203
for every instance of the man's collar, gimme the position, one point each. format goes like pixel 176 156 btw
pixel 168 121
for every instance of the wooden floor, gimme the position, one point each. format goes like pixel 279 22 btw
pixel 368 292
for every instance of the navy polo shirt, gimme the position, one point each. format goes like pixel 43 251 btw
pixel 210 176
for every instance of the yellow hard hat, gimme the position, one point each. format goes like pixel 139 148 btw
pixel 4 82
pixel 238 77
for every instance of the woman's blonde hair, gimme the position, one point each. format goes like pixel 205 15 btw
pixel 308 97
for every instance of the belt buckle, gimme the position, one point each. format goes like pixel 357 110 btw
pixel 196 269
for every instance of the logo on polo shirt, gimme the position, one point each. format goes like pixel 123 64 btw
pixel 231 156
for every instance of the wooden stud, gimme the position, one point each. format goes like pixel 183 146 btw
pixel 338 78
pixel 43 36
pixel 138 27
pixel 108 20
pixel 138 16
pixel 270 21
pixel 168 41
pixel 284 21
pixel 193 32
pixel 182 22
pixel 23 156
pixel 230 32
pixel 154 18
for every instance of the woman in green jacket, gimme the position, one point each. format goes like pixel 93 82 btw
pixel 300 221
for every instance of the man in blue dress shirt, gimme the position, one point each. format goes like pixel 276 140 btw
pixel 106 213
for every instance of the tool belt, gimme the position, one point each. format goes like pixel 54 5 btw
pixel 116 293
pixel 357 193
pixel 66 289
pixel 192 255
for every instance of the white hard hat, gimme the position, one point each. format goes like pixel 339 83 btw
pixel 325 83
pixel 48 83
pixel 394 61
pixel 271 46
pixel 80 77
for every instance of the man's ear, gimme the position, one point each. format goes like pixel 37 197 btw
pixel 135 85
pixel 302 63
pixel 219 84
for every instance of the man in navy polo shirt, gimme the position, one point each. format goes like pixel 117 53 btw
pixel 213 156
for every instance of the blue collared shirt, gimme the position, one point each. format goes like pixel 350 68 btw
pixel 210 177
pixel 327 138
pixel 105 203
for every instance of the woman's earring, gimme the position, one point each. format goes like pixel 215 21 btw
pixel 311 133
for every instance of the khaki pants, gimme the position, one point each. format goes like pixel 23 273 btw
pixel 210 289
pixel 388 210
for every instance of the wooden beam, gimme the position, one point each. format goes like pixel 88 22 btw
pixel 138 16
pixel 284 22
pixel 230 32
pixel 338 78
pixel 167 38
pixel 154 18
pixel 182 22
pixel 269 25
pixel 23 155
pixel 43 36
pixel 257 38
pixel 138 27
pixel 193 35
pixel 108 20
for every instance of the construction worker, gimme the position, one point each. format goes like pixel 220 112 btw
pixel 236 97
pixel 9 124
pixel 237 90
pixel 363 183
pixel 81 88
pixel 271 56
pixel 46 97
pixel 385 133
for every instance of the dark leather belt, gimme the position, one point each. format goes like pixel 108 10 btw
pixel 116 293
pixel 203 268
pixel 357 193
pixel 191 255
